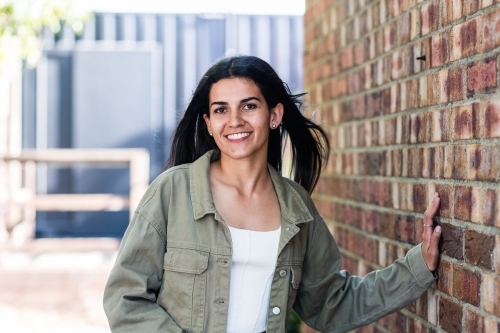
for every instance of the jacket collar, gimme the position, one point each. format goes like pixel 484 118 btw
pixel 293 208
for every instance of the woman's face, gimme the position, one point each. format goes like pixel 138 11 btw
pixel 239 119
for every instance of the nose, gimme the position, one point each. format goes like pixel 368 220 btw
pixel 235 119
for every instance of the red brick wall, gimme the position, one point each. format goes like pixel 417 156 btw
pixel 402 128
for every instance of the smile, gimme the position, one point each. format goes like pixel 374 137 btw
pixel 238 136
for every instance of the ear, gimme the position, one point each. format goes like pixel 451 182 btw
pixel 276 115
pixel 207 121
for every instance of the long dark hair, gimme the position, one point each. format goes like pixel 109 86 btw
pixel 309 143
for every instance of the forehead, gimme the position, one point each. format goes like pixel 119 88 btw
pixel 234 89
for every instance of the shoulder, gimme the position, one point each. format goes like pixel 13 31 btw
pixel 163 185
pixel 300 190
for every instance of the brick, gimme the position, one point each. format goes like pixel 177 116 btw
pixel 418 51
pixel 466 125
pixel 386 101
pixel 415 125
pixel 476 205
pixel 421 306
pixel 440 53
pixel 372 221
pixel 470 7
pixel 379 42
pixel 497 253
pixel 390 34
pixel 455 87
pixel 481 77
pixel 477 323
pixel 440 125
pixel 492 119
pixel 445 277
pixel 411 91
pixel 400 66
pixel 432 305
pixel 473 161
pixel 383 11
pixel 429 17
pixel 346 58
pixel 491 30
pixel 419 197
pixel 414 23
pixel 445 194
pixel 466 285
pixel 388 225
pixel 426 162
pixel 422 85
pixel 383 193
pixel 403 29
pixel 415 158
pixel 459 164
pixel 491 201
pixel 433 90
pixel 448 161
pixel 450 316
pixel 465 38
pixel 479 249
pixel 452 242
pixel 463 203
pixel 491 294
pixel 451 11
pixel 406 229
pixel 437 161
pixel 488 162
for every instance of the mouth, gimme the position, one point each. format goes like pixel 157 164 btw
pixel 238 136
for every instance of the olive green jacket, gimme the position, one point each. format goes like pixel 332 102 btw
pixel 173 268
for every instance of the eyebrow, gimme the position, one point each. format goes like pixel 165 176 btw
pixel 242 101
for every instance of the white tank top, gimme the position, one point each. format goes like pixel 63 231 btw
pixel 253 264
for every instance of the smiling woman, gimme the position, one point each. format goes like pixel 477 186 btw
pixel 221 242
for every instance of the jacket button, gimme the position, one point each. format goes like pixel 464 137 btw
pixel 282 273
pixel 276 310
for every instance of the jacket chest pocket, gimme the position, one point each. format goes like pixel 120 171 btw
pixel 183 290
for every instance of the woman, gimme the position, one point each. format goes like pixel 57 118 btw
pixel 222 243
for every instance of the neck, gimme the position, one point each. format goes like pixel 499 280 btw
pixel 246 175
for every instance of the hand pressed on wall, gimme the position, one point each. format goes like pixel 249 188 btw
pixel 431 235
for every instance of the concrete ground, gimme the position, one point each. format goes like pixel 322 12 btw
pixel 55 285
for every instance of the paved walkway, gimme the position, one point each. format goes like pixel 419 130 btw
pixel 55 285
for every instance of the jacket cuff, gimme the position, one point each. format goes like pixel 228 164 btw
pixel 419 268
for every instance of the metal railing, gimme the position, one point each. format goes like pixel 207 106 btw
pixel 19 200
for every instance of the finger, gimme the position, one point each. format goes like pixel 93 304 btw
pixel 433 250
pixel 428 216
pixel 433 206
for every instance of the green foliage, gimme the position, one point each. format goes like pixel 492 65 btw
pixel 22 21
pixel 293 323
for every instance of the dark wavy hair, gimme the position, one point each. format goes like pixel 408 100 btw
pixel 309 143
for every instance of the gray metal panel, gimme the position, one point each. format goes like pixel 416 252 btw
pixel 113 111
pixel 117 95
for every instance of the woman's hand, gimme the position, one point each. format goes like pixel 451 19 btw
pixel 431 235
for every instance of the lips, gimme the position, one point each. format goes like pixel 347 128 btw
pixel 238 136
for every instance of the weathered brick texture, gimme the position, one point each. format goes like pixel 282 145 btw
pixel 408 93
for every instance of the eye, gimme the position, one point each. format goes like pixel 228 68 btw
pixel 249 106
pixel 220 110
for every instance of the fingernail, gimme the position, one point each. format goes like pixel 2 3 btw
pixel 438 229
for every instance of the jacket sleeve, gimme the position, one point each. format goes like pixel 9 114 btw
pixel 135 280
pixel 331 300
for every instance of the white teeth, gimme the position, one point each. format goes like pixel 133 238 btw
pixel 237 136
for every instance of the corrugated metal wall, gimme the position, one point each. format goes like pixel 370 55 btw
pixel 172 52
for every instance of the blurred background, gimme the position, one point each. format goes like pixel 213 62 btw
pixel 90 93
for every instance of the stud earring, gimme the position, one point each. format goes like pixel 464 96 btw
pixel 210 133
pixel 273 126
